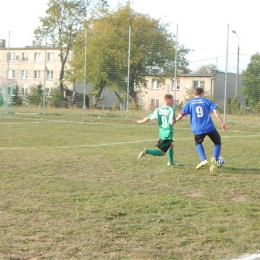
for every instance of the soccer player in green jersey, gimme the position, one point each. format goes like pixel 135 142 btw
pixel 165 116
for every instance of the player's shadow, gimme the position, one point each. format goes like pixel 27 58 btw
pixel 242 170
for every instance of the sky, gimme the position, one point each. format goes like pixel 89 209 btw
pixel 204 26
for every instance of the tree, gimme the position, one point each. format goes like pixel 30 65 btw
pixel 207 68
pixel 35 96
pixel 65 18
pixel 16 98
pixel 1 98
pixel 233 105
pixel 55 100
pixel 251 83
pixel 189 94
pixel 152 47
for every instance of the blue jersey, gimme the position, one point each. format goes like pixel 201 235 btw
pixel 199 110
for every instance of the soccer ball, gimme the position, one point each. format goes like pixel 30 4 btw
pixel 220 162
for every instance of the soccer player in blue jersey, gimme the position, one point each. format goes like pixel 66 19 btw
pixel 165 116
pixel 199 109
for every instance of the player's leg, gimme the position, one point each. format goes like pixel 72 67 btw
pixel 216 139
pixel 170 155
pixel 154 152
pixel 200 150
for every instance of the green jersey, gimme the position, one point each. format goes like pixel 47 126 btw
pixel 165 116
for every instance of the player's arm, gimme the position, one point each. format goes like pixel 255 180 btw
pixel 218 116
pixel 179 117
pixel 144 120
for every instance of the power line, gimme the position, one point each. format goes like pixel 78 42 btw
pixel 212 58
pixel 219 57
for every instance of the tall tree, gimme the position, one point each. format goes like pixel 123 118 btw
pixel 64 19
pixel 152 47
pixel 251 82
pixel 16 98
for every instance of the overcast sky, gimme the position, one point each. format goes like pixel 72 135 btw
pixel 202 26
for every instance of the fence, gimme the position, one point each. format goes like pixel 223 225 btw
pixel 129 70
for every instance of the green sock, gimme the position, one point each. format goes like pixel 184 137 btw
pixel 170 154
pixel 154 152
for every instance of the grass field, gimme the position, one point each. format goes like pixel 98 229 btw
pixel 72 188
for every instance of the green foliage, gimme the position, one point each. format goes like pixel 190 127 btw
pixel 35 95
pixel 189 94
pixel 233 106
pixel 251 83
pixel 64 19
pixel 16 98
pixel 207 68
pixel 56 98
pixel 107 51
pixel 257 107
pixel 1 98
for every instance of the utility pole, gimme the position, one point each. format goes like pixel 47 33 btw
pixel 237 76
pixel 85 71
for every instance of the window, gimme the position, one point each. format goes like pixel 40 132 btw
pixel 24 90
pixel 11 56
pixel 49 74
pixel 50 56
pixel 9 91
pixel 154 103
pixel 155 84
pixel 36 74
pixel 11 74
pixel 24 56
pixel 198 84
pixel 37 57
pixel 24 74
pixel 173 85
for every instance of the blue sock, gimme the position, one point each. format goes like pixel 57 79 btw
pixel 217 149
pixel 201 152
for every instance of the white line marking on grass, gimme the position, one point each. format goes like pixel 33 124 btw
pixel 106 124
pixel 107 144
pixel 237 136
pixel 249 257
pixel 77 146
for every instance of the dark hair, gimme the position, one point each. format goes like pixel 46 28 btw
pixel 198 91
pixel 168 96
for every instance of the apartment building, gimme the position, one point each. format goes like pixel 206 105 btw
pixel 27 66
pixel 216 85
pixel 213 84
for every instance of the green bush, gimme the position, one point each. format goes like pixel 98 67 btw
pixel 234 106
pixel 57 99
pixel 35 96
pixel 16 98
